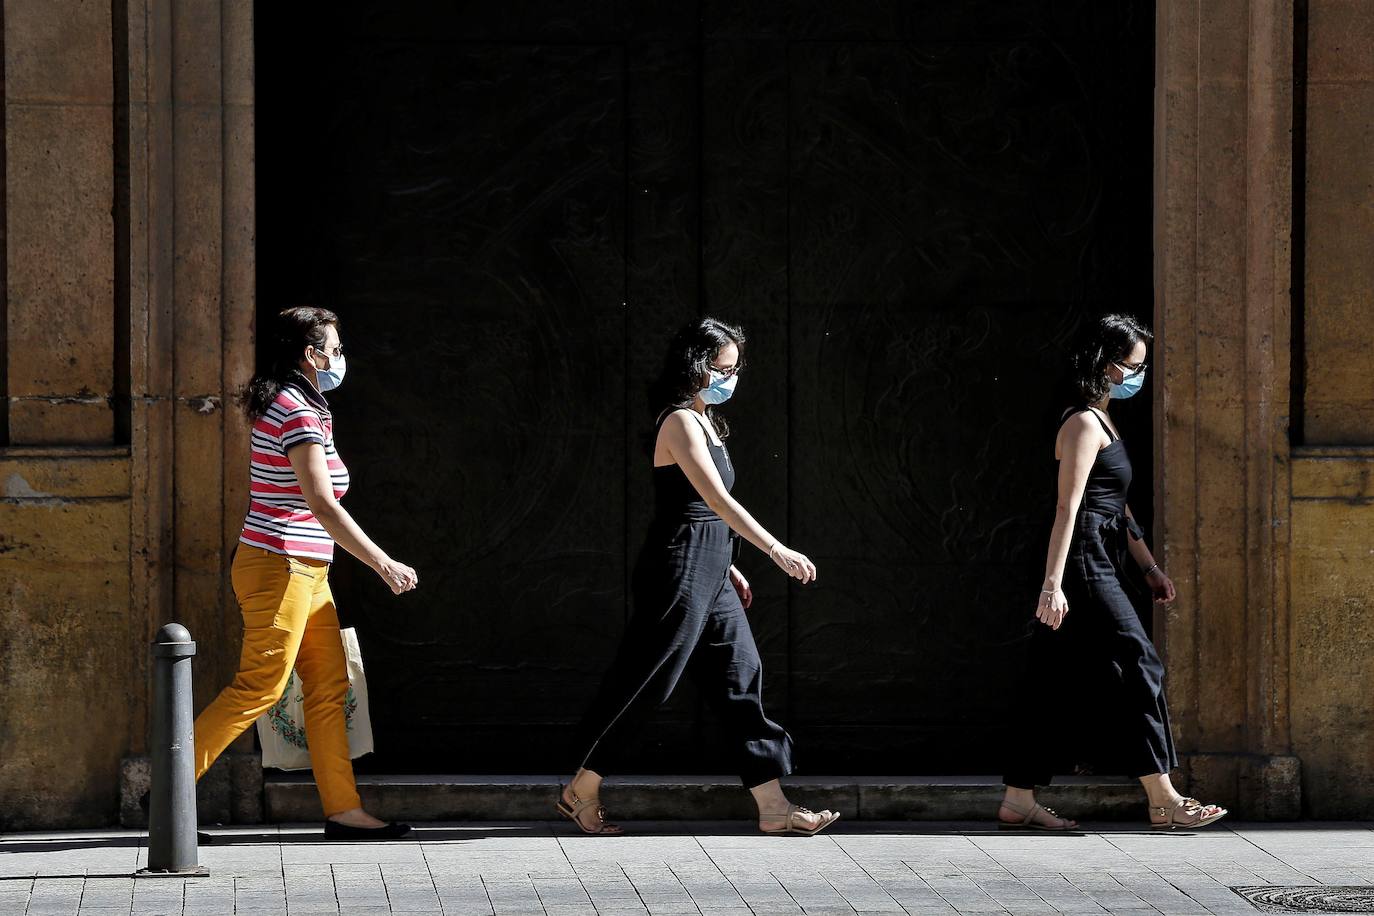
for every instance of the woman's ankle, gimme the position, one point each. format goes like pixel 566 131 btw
pixel 770 799
pixel 585 784
pixel 1160 791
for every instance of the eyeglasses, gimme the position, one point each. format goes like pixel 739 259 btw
pixel 726 372
pixel 332 354
pixel 1129 371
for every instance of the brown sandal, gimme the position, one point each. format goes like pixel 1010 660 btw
pixel 1027 821
pixel 1194 809
pixel 792 824
pixel 578 805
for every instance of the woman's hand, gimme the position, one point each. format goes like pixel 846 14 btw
pixel 1161 586
pixel 398 576
pixel 793 562
pixel 1052 609
pixel 741 584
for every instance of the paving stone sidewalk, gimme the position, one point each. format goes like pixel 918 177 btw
pixel 469 869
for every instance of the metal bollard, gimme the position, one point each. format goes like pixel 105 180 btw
pixel 172 850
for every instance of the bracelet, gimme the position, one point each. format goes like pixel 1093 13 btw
pixel 773 548
pixel 1048 591
pixel 1150 570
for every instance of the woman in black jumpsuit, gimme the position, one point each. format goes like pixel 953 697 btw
pixel 690 600
pixel 1099 652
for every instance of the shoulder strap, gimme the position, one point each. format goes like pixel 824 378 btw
pixel 1111 436
pixel 1073 411
pixel 705 427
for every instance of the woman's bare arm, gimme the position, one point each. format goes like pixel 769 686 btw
pixel 688 445
pixel 1082 439
pixel 312 470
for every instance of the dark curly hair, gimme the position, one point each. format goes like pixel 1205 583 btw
pixel 292 330
pixel 693 349
pixel 1102 341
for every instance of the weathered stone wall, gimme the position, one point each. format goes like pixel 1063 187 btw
pixel 67 674
pixel 127 316
pixel 1339 284
pixel 1268 540
pixel 1223 229
pixel 1332 629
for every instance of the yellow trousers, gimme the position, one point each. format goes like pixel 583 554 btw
pixel 288 620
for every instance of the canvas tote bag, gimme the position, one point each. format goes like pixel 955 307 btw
pixel 281 730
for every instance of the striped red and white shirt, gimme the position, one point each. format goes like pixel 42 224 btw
pixel 278 518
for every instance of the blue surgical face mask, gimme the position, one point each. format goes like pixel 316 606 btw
pixel 720 389
pixel 331 378
pixel 1129 386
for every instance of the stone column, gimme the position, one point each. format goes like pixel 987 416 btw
pixel 191 282
pixel 1222 228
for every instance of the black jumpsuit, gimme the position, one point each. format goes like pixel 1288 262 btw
pixel 1098 678
pixel 687 618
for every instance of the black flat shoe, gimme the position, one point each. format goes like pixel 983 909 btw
pixel 333 830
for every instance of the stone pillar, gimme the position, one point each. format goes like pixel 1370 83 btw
pixel 1222 235
pixel 191 272
pixel 1333 474
pixel 187 103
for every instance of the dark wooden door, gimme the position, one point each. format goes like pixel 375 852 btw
pixel 909 207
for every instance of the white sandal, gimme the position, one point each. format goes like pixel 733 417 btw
pixel 791 823
pixel 571 810
pixel 1028 822
pixel 1191 807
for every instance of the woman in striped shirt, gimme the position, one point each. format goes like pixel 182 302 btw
pixel 281 567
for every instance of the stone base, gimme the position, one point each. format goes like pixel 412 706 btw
pixel 293 798
pixel 1255 787
pixel 230 793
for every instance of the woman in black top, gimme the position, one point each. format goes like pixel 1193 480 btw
pixel 690 600
pixel 1100 651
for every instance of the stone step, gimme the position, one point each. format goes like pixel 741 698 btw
pixel 292 797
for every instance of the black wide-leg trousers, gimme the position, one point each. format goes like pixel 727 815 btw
pixel 687 620
pixel 1094 688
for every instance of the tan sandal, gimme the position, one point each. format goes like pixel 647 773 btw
pixel 1028 822
pixel 792 824
pixel 1194 809
pixel 572 811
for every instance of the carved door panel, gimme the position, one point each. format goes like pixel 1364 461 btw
pixel 909 207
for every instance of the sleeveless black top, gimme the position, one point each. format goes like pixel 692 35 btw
pixel 1109 479
pixel 675 499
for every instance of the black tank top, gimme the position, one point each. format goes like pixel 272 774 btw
pixel 675 499
pixel 1110 476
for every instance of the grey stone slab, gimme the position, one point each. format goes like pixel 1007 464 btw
pixel 863 893
pixel 763 893
pixel 513 896
pixel 812 892
pixel 351 853
pixel 1062 895
pixel 56 891
pixel 561 892
pixel 671 908
pixel 107 892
